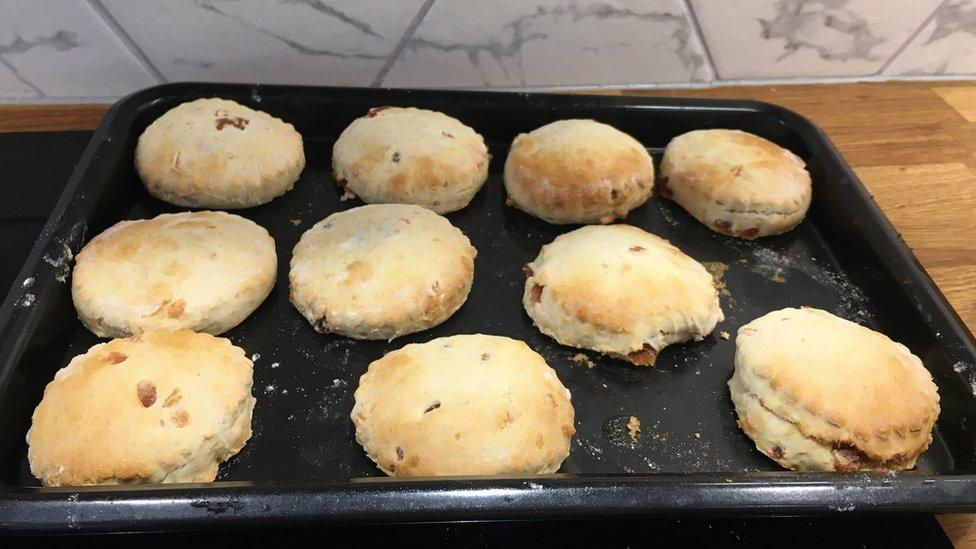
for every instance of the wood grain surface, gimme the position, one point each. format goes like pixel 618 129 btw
pixel 912 143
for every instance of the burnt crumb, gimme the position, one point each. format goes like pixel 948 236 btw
pixel 777 452
pixel 614 193
pixel 341 183
pixel 644 357
pixel 173 398
pixel 536 295
pixel 399 452
pixel 637 248
pixel 447 135
pixel 115 357
pixel 376 110
pixel 484 356
pixel 528 271
pixel 736 171
pixel 665 190
pixel 322 325
pixel 236 121
pixel 146 391
pixel 432 407
pixel 396 157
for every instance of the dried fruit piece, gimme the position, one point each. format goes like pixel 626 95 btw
pixel 637 248
pixel 484 356
pixel 434 406
pixel 527 270
pixel 180 418
pixel 176 308
pixel 115 357
pixel 236 121
pixel 146 392
pixel 399 452
pixel 536 295
pixel 644 357
pixel 376 110
pixel 175 396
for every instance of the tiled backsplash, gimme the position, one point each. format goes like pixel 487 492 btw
pixel 98 50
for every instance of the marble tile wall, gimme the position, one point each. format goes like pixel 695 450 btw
pixel 99 50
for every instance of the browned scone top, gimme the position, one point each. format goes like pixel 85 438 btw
pixel 463 405
pixel 578 171
pixel 817 392
pixel 153 408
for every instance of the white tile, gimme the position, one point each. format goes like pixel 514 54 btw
pixel 946 46
pixel 551 42
pixel 341 42
pixel 63 48
pixel 801 38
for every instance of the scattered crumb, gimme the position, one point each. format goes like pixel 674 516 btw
pixel 269 389
pixel 697 435
pixel 743 261
pixel 778 279
pixel 275 365
pixel 633 427
pixel 580 358
pixel 717 270
pixel 724 335
pixel 255 357
pixel 346 195
pixel 28 282
pixel 296 222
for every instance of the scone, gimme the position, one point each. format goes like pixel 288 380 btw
pixel 619 291
pixel 215 153
pixel 410 156
pixel 156 407
pixel 819 393
pixel 463 405
pixel 381 271
pixel 736 183
pixel 203 271
pixel 578 171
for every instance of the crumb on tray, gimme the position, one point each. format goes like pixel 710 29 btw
pixel 778 279
pixel 580 358
pixel 633 428
pixel 296 222
pixel 724 335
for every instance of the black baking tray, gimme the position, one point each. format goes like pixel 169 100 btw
pixel 303 464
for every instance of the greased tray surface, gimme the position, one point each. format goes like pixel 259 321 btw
pixel 303 464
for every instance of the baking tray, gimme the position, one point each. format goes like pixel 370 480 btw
pixel 303 464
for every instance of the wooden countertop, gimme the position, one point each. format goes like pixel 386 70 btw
pixel 912 143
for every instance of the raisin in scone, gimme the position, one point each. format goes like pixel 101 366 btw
pixel 619 291
pixel 578 171
pixel 203 271
pixel 157 407
pixel 463 405
pixel 819 393
pixel 381 271
pixel 410 156
pixel 736 183
pixel 216 153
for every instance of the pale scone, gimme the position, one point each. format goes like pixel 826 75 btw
pixel 215 153
pixel 819 393
pixel 619 291
pixel 153 408
pixel 203 271
pixel 410 156
pixel 381 271
pixel 578 171
pixel 463 405
pixel 736 183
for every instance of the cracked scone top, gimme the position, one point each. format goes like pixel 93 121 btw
pixel 215 153
pixel 816 392
pixel 381 271
pixel 203 271
pixel 578 171
pixel 158 407
pixel 463 405
pixel 410 156
pixel 620 291
pixel 736 183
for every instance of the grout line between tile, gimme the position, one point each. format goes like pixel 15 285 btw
pixel 911 38
pixel 40 93
pixel 696 26
pixel 404 40
pixel 127 41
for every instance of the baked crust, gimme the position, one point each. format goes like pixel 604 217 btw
pixel 463 405
pixel 578 171
pixel 410 156
pixel 620 291
pixel 381 271
pixel 216 153
pixel 204 271
pixel 158 407
pixel 736 183
pixel 866 400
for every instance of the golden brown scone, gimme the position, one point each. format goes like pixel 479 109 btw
pixel 736 183
pixel 154 408
pixel 578 171
pixel 204 271
pixel 463 405
pixel 381 271
pixel 410 156
pixel 619 291
pixel 215 153
pixel 820 393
